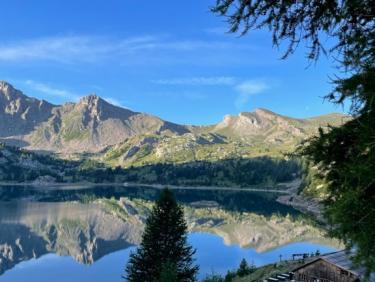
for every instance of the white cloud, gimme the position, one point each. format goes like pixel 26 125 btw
pixel 244 88
pixel 144 49
pixel 198 81
pixel 56 49
pixel 115 102
pixel 51 91
pixel 251 87
pixel 247 89
pixel 69 49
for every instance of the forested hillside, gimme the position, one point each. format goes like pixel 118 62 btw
pixel 17 165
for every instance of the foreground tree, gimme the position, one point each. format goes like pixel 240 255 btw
pixel 164 254
pixel 244 269
pixel 345 156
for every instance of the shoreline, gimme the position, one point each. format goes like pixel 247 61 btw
pixel 306 205
pixel 286 190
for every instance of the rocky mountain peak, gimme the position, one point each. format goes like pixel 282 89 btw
pixel 94 106
pixel 5 85
pixel 19 114
pixel 255 117
pixel 90 99
pixel 259 122
pixel 15 96
pixel 8 92
pixel 261 111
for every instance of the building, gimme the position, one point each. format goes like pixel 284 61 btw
pixel 332 267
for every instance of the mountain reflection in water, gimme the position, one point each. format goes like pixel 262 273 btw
pixel 91 222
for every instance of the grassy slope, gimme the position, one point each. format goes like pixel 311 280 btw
pixel 208 144
pixel 188 148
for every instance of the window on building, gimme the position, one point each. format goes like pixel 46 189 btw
pixel 344 272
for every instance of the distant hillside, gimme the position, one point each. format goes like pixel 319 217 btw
pixel 248 135
pixel 19 165
pixel 272 127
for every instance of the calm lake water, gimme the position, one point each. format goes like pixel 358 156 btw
pixel 86 234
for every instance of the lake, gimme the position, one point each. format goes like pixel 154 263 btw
pixel 87 233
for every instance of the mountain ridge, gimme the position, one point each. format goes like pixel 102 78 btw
pixel 89 125
pixel 92 125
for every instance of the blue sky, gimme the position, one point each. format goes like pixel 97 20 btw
pixel 169 58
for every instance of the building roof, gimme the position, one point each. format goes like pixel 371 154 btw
pixel 343 260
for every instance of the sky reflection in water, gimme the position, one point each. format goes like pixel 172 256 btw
pixel 212 256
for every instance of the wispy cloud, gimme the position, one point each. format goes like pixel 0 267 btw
pixel 77 49
pixel 116 102
pixel 244 88
pixel 69 49
pixel 248 88
pixel 198 81
pixel 251 87
pixel 66 95
pixel 52 91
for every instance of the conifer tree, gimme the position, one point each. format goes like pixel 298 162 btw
pixel 168 273
pixel 244 269
pixel 164 250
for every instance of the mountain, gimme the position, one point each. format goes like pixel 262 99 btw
pixel 20 114
pixel 87 126
pixel 273 127
pixel 247 135
pixel 121 136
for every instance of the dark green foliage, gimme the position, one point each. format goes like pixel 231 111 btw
pixel 168 273
pixel 244 269
pixel 264 171
pixel 349 171
pixel 213 278
pixel 345 156
pixel 229 276
pixel 350 22
pixel 233 172
pixel 19 165
pixel 164 251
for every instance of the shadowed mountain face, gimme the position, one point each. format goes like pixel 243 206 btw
pixel 19 114
pixel 92 124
